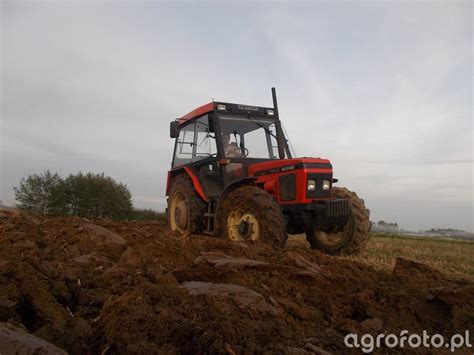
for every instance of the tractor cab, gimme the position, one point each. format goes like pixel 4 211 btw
pixel 219 141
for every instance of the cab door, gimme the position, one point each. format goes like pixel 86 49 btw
pixel 205 158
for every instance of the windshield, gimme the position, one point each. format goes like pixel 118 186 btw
pixel 249 137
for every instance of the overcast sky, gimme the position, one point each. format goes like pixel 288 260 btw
pixel 383 90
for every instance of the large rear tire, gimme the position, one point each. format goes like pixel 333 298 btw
pixel 185 207
pixel 353 238
pixel 250 214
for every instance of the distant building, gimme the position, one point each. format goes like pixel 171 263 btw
pixel 385 227
pixel 451 233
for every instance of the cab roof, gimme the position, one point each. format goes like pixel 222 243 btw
pixel 226 107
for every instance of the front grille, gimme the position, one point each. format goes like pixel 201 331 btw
pixel 287 187
pixel 318 192
pixel 337 208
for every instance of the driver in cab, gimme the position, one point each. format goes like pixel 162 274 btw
pixel 231 149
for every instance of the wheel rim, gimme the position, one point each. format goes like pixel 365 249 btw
pixel 243 226
pixel 336 239
pixel 179 212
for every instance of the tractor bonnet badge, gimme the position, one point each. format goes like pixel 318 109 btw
pixel 247 108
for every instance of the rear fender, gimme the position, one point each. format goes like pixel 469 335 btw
pixel 191 174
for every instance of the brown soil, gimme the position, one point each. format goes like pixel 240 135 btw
pixel 115 287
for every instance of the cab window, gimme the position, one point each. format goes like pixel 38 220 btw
pixel 195 142
pixel 184 145
pixel 249 137
pixel 205 140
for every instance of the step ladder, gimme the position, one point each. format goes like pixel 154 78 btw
pixel 210 217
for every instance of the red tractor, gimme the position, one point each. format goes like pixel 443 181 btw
pixel 235 175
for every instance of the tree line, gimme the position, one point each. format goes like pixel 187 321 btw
pixel 84 195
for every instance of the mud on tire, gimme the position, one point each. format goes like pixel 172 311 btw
pixel 251 214
pixel 354 237
pixel 195 206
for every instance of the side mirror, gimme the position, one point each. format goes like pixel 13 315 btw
pixel 174 129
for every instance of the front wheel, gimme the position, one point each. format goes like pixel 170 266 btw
pixel 355 234
pixel 250 214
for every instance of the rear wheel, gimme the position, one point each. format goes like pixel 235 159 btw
pixel 353 238
pixel 185 207
pixel 250 214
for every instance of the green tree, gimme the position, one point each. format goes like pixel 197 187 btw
pixel 35 193
pixel 85 195
pixel 94 195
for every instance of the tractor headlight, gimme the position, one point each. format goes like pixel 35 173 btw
pixel 311 185
pixel 326 185
pixel 221 107
pixel 270 112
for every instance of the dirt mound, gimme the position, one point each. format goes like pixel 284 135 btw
pixel 16 340
pixel 114 287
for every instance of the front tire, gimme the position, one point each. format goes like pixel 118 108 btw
pixel 250 214
pixel 185 207
pixel 353 238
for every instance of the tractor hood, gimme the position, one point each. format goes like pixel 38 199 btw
pixel 279 166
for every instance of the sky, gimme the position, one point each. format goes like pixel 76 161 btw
pixel 382 89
